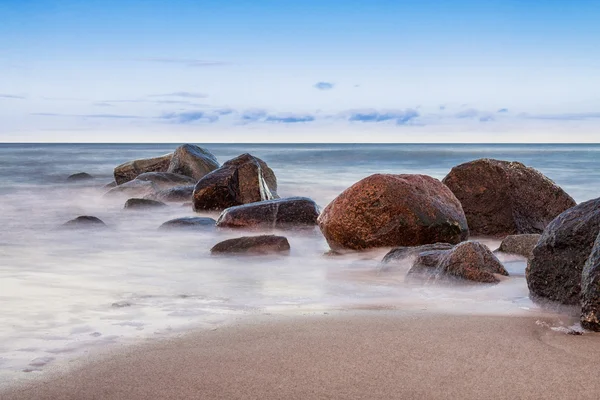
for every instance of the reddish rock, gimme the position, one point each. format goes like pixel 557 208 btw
pixel 193 161
pixel 242 180
pixel 280 213
pixel 130 170
pixel 503 198
pixel 393 210
pixel 264 244
pixel 471 261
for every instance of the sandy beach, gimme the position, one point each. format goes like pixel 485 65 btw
pixel 366 355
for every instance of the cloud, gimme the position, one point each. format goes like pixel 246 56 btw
pixel 502 110
pixel 401 117
pixel 187 95
pixel 187 117
pixel 324 85
pixel 102 104
pixel 442 107
pixel 11 96
pixel 253 115
pixel 565 116
pixel 107 116
pixel 290 118
pixel 469 113
pixel 188 62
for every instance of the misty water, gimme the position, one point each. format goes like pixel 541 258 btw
pixel 66 292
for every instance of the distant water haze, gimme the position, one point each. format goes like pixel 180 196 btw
pixel 63 292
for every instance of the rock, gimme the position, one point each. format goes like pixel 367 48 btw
pixel 505 198
pixel 189 223
pixel 130 170
pixel 470 261
pixel 242 180
pixel 142 204
pixel 192 161
pixel 110 185
pixel 554 272
pixel 264 244
pixel 590 290
pixel 400 254
pixel 393 210
pixel 85 221
pixel 279 213
pixel 81 176
pixel 166 180
pixel 133 188
pixel 521 245
pixel 174 195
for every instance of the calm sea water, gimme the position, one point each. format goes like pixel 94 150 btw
pixel 63 293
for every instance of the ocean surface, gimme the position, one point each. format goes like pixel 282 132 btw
pixel 65 293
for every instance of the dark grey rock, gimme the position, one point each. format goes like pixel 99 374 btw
pixel 192 223
pixel 166 180
pixel 133 188
pixel 142 204
pixel 85 221
pixel 521 245
pixel 590 290
pixel 285 213
pixel 79 177
pixel 265 244
pixel 554 272
pixel 179 194
pixel 192 161
pixel 400 254
pixel 130 170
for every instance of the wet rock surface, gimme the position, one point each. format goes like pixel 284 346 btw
pixel 470 261
pixel 555 270
pixel 590 290
pixel 242 180
pixel 178 194
pixel 503 198
pixel 166 180
pixel 142 204
pixel 130 170
pixel 279 213
pixel 84 221
pixel 80 177
pixel 521 245
pixel 133 188
pixel 192 161
pixel 393 210
pixel 191 223
pixel 264 244
pixel 402 253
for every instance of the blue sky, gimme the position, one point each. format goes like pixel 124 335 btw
pixel 298 71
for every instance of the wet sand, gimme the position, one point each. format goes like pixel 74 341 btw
pixel 365 355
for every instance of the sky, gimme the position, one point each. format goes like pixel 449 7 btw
pixel 299 71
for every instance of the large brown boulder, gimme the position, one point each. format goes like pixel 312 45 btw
pixel 554 272
pixel 242 180
pixel 193 161
pixel 279 213
pixel 393 210
pixel 590 290
pixel 505 198
pixel 264 244
pixel 130 170
pixel 471 261
pixel 166 180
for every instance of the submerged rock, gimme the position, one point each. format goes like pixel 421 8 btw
pixel 590 290
pixel 192 161
pixel 133 188
pixel 554 272
pixel 189 223
pixel 503 198
pixel 242 180
pixel 279 213
pixel 166 180
pixel 400 254
pixel 471 261
pixel 79 177
pixel 142 204
pixel 393 210
pixel 85 221
pixel 110 185
pixel 521 245
pixel 264 244
pixel 178 194
pixel 130 170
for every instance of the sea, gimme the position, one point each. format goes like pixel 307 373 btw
pixel 65 294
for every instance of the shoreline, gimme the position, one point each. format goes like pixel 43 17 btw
pixel 342 354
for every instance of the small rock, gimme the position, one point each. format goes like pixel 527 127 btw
pixel 142 204
pixel 264 244
pixel 521 245
pixel 279 213
pixel 471 261
pixel 81 176
pixel 189 223
pixel 121 304
pixel 85 221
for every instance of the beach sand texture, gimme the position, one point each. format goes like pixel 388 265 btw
pixel 371 355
